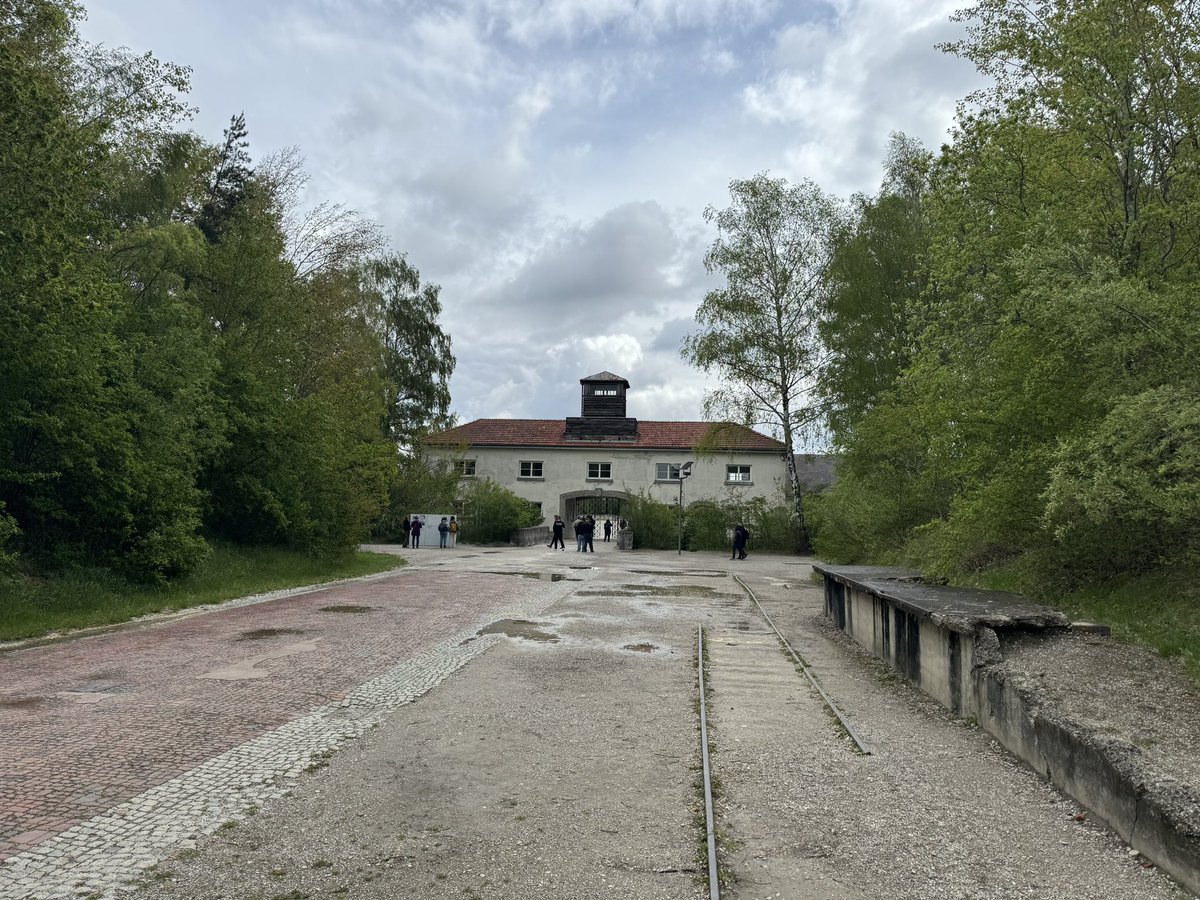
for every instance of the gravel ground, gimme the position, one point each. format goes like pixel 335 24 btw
pixel 561 764
pixel 1120 690
pixel 939 811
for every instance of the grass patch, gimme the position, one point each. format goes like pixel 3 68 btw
pixel 34 605
pixel 1160 610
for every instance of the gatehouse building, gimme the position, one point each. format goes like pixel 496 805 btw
pixel 591 463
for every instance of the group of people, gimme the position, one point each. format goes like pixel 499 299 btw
pixel 585 533
pixel 447 531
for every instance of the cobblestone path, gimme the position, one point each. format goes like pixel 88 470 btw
pixel 120 748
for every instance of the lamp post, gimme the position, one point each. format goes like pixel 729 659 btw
pixel 685 469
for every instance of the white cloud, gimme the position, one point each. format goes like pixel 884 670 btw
pixel 548 161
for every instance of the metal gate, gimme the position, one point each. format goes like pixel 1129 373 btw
pixel 599 507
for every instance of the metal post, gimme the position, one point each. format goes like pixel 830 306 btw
pixel 679 552
pixel 685 469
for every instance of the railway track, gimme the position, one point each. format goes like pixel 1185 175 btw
pixel 706 767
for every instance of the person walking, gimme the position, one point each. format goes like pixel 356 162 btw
pixel 406 527
pixel 607 530
pixel 453 532
pixel 579 532
pixel 416 532
pixel 557 540
pixel 590 532
pixel 740 537
pixel 443 533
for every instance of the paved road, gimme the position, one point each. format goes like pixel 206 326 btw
pixel 121 747
pixel 558 764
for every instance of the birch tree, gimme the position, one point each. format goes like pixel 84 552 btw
pixel 758 333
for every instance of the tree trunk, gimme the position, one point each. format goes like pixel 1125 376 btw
pixel 789 459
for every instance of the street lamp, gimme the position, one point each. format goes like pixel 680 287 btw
pixel 685 470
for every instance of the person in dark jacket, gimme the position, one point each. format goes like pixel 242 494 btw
pixel 416 531
pixel 557 540
pixel 590 534
pixel 740 537
pixel 608 529
pixel 406 527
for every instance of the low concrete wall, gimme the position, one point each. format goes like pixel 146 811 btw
pixel 1156 816
pixel 527 537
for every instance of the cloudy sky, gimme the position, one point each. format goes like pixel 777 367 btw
pixel 548 161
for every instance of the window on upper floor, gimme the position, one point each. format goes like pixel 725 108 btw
pixel 737 474
pixel 604 392
pixel 666 471
pixel 599 470
pixel 465 468
pixel 531 468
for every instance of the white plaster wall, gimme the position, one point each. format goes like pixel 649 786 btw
pixel 565 469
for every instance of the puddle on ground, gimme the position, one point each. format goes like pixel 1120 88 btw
pixel 536 576
pixel 658 590
pixel 261 634
pixel 640 648
pixel 520 628
pixel 347 608
pixel 21 702
pixel 671 573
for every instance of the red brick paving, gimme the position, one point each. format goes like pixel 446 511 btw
pixel 88 724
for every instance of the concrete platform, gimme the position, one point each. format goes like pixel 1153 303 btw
pixel 932 634
pixel 951 642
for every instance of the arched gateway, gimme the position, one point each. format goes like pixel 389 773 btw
pixel 597 503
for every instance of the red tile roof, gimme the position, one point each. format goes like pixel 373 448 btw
pixel 650 436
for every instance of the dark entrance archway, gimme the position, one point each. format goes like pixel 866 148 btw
pixel 599 504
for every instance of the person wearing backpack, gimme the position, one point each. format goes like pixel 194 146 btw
pixel 453 531
pixel 443 533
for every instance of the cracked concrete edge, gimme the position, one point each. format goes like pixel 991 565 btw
pixel 1155 814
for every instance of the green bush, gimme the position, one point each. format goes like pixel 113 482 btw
pixel 708 524
pixel 491 513
pixel 1126 495
pixel 655 525
pixel 8 538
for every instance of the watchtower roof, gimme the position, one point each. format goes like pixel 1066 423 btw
pixel 605 377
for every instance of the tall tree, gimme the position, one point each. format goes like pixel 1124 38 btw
pixel 230 176
pixel 878 282
pixel 417 361
pixel 759 332
pixel 79 466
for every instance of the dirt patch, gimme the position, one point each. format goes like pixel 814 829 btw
pixel 521 629
pixel 640 648
pixel 21 702
pixel 262 634
pixel 347 608
pixel 537 576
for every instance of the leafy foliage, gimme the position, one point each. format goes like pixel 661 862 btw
pixel 491 513
pixel 708 524
pixel 175 365
pixel 1034 397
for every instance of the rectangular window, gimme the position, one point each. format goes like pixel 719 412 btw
pixel 737 474
pixel 599 470
pixel 531 469
pixel 666 472
pixel 465 468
